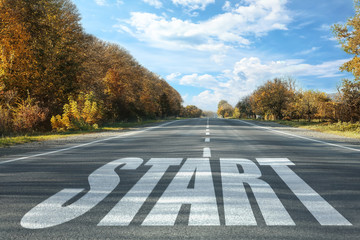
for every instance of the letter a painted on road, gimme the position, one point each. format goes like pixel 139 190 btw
pixel 202 198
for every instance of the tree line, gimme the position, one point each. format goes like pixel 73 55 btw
pixel 51 69
pixel 278 99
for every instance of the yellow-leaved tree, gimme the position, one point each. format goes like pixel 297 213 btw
pixel 348 35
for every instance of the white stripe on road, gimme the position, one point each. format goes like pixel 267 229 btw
pixel 324 213
pixel 126 209
pixel 206 152
pixel 310 139
pixel 207 140
pixel 85 144
pixel 237 207
pixel 204 209
pixel 207 134
pixel 102 181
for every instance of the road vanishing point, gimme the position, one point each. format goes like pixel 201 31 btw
pixel 186 179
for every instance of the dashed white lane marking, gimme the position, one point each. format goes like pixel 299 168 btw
pixel 85 144
pixel 297 136
pixel 207 140
pixel 206 152
pixel 207 134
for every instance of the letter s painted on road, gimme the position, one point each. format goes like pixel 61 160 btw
pixel 102 182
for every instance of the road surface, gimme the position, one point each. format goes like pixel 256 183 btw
pixel 187 179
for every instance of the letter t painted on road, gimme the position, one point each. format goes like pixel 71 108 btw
pixel 324 213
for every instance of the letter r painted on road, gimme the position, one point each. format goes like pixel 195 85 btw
pixel 237 207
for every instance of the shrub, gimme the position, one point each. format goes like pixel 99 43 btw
pixel 28 116
pixel 81 114
pixel 5 120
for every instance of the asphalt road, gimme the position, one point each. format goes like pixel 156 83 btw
pixel 187 179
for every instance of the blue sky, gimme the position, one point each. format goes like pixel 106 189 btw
pixel 210 50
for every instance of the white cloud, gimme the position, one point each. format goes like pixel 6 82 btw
pixel 205 81
pixel 223 31
pixel 154 3
pixel 172 76
pixel 308 51
pixel 249 73
pixel 193 4
pixel 105 2
pixel 206 100
pixel 218 58
pixel 101 2
pixel 227 6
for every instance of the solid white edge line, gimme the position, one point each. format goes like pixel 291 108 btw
pixel 86 144
pixel 310 139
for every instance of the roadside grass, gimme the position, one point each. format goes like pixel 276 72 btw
pixel 344 129
pixel 6 141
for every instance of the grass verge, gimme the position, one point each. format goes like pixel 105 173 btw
pixel 7 141
pixel 344 129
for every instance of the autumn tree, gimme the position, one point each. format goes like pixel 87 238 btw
pixel 46 56
pixel 225 109
pixel 308 104
pixel 348 35
pixel 236 113
pixel 349 101
pixel 41 49
pixel 244 106
pixel 191 111
pixel 272 98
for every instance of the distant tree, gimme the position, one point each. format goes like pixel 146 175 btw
pixel 273 97
pixel 191 111
pixel 309 104
pixel 236 113
pixel 225 109
pixel 244 106
pixel 209 114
